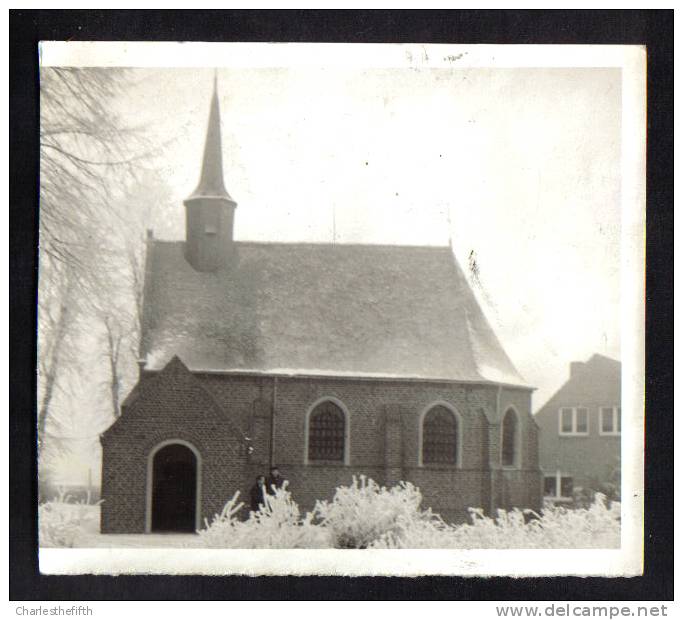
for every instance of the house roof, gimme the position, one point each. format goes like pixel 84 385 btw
pixel 595 381
pixel 599 360
pixel 321 309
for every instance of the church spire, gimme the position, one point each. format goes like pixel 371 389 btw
pixel 210 211
pixel 211 184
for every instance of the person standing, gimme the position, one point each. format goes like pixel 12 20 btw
pixel 258 493
pixel 275 481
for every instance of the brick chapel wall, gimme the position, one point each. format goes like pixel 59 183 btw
pixel 372 406
pixel 521 486
pixel 520 401
pixel 384 430
pixel 171 406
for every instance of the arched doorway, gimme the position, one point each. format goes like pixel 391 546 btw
pixel 173 493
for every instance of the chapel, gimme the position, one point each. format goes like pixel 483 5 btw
pixel 326 360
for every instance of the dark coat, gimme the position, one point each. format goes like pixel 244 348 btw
pixel 277 482
pixel 256 496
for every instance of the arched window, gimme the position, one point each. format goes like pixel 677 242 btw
pixel 510 434
pixel 327 433
pixel 439 436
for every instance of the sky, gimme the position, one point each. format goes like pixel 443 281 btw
pixel 518 169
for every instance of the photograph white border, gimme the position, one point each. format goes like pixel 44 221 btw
pixel 626 561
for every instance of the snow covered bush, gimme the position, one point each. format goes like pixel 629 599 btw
pixel 363 512
pixel 277 525
pixel 62 522
pixel 220 532
pixel 367 515
pixel 555 528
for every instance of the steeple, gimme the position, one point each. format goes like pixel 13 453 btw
pixel 210 211
pixel 211 182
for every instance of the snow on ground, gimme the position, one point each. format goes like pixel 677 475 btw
pixel 92 538
pixel 88 519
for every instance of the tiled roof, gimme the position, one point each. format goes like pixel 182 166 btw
pixel 321 309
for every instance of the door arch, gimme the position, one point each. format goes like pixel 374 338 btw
pixel 173 487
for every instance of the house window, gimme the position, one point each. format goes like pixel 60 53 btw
pixel 326 433
pixel 558 486
pixel 610 420
pixel 439 436
pixel 510 434
pixel 573 421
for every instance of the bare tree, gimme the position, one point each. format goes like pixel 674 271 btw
pixel 114 332
pixel 98 197
pixel 149 208
pixel 57 315
pixel 143 204
pixel 85 152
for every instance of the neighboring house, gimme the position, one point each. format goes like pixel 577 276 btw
pixel 580 429
pixel 327 360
